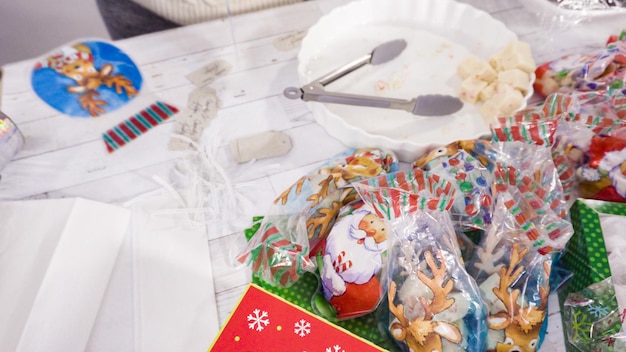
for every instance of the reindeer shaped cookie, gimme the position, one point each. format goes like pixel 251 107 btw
pixel 521 325
pixel 424 334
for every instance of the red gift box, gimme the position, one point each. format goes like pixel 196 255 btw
pixel 265 322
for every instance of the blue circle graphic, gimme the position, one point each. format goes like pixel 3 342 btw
pixel 52 86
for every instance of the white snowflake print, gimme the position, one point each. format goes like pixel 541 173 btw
pixel 302 328
pixel 258 320
pixel 335 348
pixel 598 311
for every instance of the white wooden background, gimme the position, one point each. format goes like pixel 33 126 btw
pixel 65 157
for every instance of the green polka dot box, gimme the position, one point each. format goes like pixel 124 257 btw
pixel 592 318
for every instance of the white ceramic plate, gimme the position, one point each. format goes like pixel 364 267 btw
pixel 439 34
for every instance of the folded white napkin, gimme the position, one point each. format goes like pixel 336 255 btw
pixel 56 257
pixel 78 275
pixel 175 296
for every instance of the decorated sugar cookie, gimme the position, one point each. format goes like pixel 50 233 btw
pixel 432 302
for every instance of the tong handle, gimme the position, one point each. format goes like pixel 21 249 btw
pixel 343 70
pixel 315 92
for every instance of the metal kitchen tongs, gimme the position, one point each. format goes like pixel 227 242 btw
pixel 425 105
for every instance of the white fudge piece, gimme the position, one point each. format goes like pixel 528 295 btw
pixel 506 75
pixel 473 66
pixel 470 89
pixel 508 99
pixel 515 78
pixel 488 92
pixel 489 111
pixel 504 102
pixel 515 55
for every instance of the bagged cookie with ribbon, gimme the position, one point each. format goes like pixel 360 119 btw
pixel 596 70
pixel 586 133
pixel 513 261
pixel 432 302
pixel 603 175
pixel 467 166
pixel 304 214
pixel 560 137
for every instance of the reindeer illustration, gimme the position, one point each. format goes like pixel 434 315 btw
pixel 521 325
pixel 424 334
pixel 325 181
pixel 77 62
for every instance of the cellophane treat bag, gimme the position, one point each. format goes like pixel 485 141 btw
pixel 513 261
pixel 593 320
pixel 586 132
pixel 303 215
pixel 585 106
pixel 595 70
pixel 432 303
pixel 467 166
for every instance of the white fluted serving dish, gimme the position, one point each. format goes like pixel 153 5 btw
pixel 439 33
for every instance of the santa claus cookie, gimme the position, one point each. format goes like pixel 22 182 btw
pixel 351 263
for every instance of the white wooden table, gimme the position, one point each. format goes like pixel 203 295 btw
pixel 57 161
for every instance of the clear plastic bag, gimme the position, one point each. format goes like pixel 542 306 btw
pixel 11 140
pixel 303 215
pixel 433 304
pixel 466 165
pixel 592 318
pixel 513 261
pixel 586 132
pixel 596 70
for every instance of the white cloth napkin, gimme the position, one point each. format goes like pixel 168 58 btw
pixel 176 306
pixel 78 275
pixel 56 257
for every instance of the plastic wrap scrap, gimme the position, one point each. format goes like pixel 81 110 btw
pixel 594 319
pixel 304 213
pixel 467 165
pixel 586 132
pixel 587 5
pixel 598 70
pixel 513 260
pixel 433 304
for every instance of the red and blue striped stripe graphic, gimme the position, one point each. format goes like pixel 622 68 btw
pixel 136 125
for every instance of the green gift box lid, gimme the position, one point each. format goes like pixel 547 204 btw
pixel 585 254
pixel 586 257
